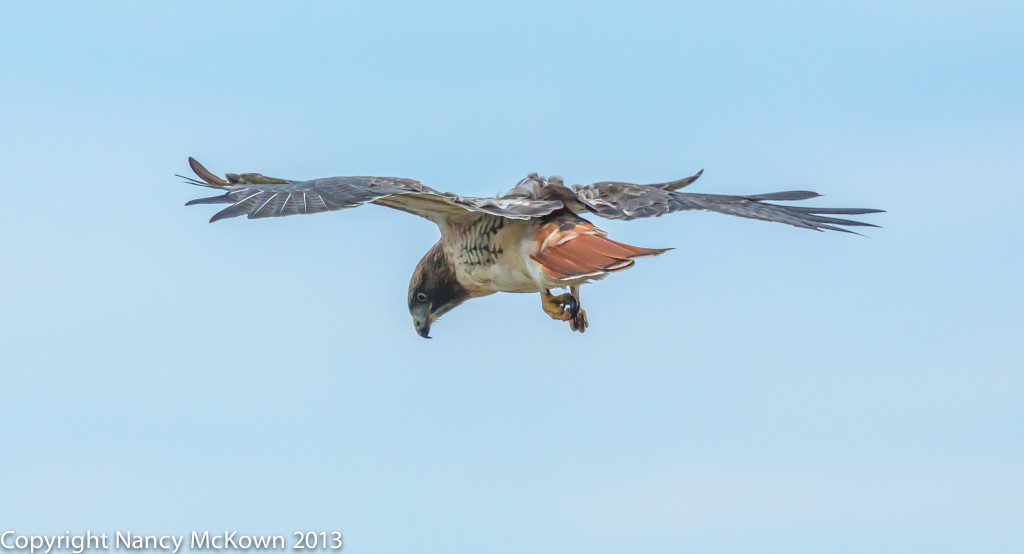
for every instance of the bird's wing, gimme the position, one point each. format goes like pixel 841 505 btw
pixel 258 196
pixel 614 200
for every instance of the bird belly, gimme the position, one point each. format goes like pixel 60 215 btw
pixel 497 277
pixel 488 258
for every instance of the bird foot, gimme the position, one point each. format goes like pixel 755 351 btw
pixel 579 321
pixel 564 307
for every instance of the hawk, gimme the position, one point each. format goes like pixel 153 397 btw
pixel 530 240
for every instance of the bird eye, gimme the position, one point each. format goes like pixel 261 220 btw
pixel 421 297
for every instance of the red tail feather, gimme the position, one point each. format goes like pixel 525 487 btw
pixel 582 251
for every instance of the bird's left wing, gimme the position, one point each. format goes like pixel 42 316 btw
pixel 258 196
pixel 615 200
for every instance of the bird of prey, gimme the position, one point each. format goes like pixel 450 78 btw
pixel 530 240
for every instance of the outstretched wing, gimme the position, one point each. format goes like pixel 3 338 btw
pixel 614 200
pixel 258 196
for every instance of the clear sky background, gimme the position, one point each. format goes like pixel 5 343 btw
pixel 759 389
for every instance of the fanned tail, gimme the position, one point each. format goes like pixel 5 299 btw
pixel 578 249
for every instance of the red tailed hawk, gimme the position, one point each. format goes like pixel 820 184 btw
pixel 530 240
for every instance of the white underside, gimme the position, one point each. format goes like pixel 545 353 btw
pixel 513 269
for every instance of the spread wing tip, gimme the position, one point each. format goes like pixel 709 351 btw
pixel 206 175
pixel 676 185
pixel 789 195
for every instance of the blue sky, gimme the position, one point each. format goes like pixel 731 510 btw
pixel 759 389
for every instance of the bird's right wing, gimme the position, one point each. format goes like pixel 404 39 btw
pixel 616 200
pixel 258 196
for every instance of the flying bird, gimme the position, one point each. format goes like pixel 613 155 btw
pixel 530 240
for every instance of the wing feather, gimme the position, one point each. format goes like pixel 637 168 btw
pixel 257 197
pixel 616 200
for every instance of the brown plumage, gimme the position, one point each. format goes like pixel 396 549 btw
pixel 529 240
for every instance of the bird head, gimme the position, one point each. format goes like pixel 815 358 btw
pixel 433 290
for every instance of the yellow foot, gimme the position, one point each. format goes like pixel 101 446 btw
pixel 579 323
pixel 564 307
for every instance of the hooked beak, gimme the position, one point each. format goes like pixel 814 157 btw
pixel 421 321
pixel 423 328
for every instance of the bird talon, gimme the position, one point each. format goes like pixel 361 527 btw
pixel 579 322
pixel 572 306
pixel 563 307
